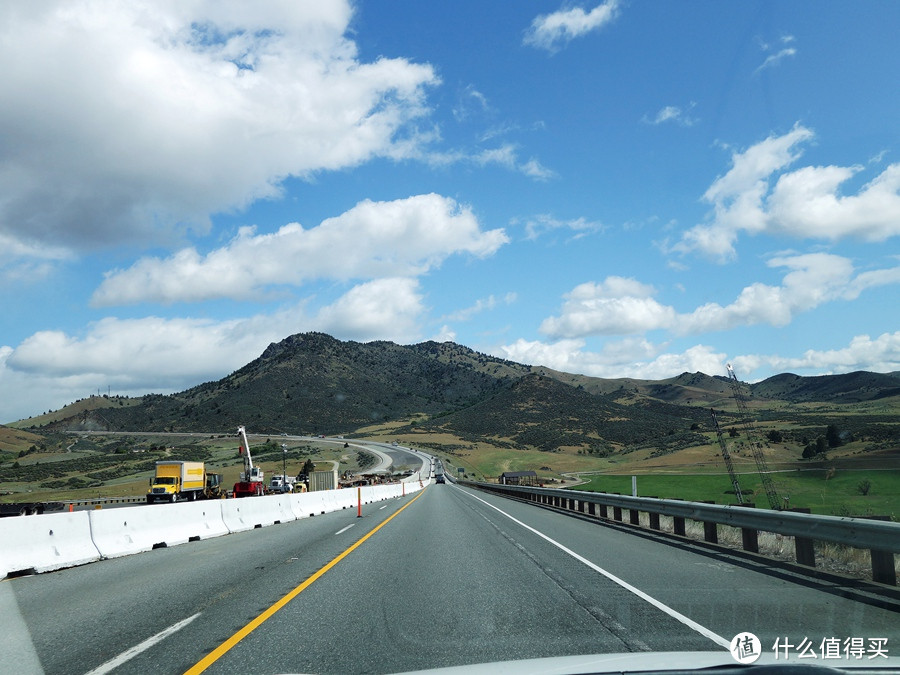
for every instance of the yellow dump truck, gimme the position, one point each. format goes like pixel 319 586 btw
pixel 176 480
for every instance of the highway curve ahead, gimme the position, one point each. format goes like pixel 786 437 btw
pixel 449 576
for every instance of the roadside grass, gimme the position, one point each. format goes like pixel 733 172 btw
pixel 822 491
pixel 223 458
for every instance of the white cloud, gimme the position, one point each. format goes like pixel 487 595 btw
pixel 405 237
pixel 130 121
pixel 470 102
pixel 552 31
pixel 862 353
pixel 635 358
pixel 383 309
pixel 481 305
pixel 616 306
pixel 620 306
pixel 674 114
pixel 539 224
pixel 154 354
pixel 805 203
pixel 506 156
pixel 776 58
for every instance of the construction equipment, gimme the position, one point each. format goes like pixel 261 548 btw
pixel 177 479
pixel 251 482
pixel 727 457
pixel 753 439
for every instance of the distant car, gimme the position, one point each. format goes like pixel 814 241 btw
pixel 439 478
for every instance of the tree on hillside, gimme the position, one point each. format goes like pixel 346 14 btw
pixel 818 447
pixel 308 467
pixel 833 436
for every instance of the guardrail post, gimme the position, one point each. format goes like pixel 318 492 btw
pixel 883 570
pixel 617 513
pixel 749 536
pixel 592 509
pixel 634 516
pixel 710 530
pixel 654 517
pixel 678 525
pixel 603 512
pixel 804 548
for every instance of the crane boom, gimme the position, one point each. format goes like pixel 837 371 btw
pixel 251 482
pixel 727 457
pixel 753 440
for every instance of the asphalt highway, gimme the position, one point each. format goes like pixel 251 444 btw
pixel 447 576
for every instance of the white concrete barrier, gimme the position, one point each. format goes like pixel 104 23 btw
pixel 344 498
pixel 306 504
pixel 46 542
pixel 247 513
pixel 118 532
pixel 56 540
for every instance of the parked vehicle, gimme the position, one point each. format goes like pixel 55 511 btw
pixel 29 508
pixel 177 479
pixel 280 483
pixel 251 482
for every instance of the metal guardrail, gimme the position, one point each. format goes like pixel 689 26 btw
pixel 880 537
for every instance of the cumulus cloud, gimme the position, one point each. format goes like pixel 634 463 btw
pixel 127 122
pixel 636 358
pixel 405 237
pixel 164 355
pixel 806 203
pixel 881 354
pixel 616 306
pixel 553 31
pixel 640 359
pixel 383 309
pixel 619 306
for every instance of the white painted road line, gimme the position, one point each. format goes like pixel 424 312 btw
pixel 690 623
pixel 383 507
pixel 344 530
pixel 112 664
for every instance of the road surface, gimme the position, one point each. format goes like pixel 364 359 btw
pixel 448 576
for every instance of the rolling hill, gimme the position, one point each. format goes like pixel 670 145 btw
pixel 312 383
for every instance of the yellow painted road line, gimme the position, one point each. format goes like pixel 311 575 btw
pixel 226 646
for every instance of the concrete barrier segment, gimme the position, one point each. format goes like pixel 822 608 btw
pixel 247 513
pixel 125 531
pixel 47 542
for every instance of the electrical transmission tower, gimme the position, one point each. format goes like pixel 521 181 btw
pixel 753 439
pixel 727 457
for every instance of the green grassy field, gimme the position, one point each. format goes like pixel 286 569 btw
pixel 830 493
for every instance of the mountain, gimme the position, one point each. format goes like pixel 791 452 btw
pixel 849 388
pixel 541 412
pixel 312 383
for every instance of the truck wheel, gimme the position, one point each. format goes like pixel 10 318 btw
pixel 174 497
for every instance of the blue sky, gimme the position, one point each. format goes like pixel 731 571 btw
pixel 620 189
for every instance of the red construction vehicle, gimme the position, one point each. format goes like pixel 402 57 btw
pixel 251 483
